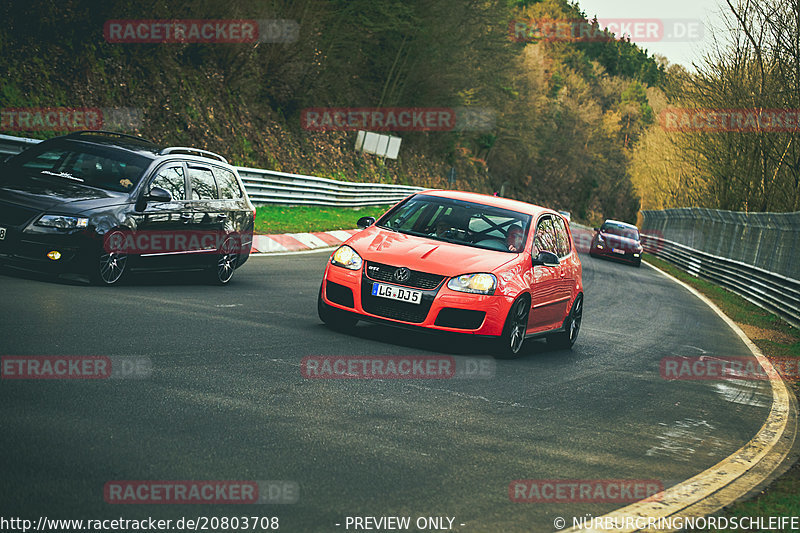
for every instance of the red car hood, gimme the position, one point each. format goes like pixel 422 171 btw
pixel 426 255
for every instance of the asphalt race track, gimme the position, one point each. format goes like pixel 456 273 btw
pixel 226 401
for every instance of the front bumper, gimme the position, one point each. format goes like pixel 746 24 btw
pixel 441 309
pixel 629 256
pixel 29 251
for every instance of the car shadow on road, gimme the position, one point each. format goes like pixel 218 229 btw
pixel 143 279
pixel 42 277
pixel 443 343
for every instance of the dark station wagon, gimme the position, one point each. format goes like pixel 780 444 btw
pixel 104 204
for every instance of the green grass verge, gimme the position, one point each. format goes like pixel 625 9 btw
pixel 782 497
pixel 271 219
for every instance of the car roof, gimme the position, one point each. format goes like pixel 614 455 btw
pixel 110 139
pixel 138 145
pixel 145 149
pixel 494 201
pixel 618 223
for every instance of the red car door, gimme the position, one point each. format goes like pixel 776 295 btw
pixel 567 266
pixel 547 298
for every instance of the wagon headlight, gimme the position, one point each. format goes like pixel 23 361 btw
pixel 62 222
pixel 474 283
pixel 347 257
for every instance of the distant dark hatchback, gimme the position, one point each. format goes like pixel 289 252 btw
pixel 105 204
pixel 617 240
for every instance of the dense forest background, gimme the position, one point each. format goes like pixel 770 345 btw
pixel 754 66
pixel 575 125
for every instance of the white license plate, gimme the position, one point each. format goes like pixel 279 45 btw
pixel 2 233
pixel 618 251
pixel 400 294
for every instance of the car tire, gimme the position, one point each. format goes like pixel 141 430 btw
pixel 108 268
pixel 509 344
pixel 225 265
pixel 334 318
pixel 563 340
pixel 637 263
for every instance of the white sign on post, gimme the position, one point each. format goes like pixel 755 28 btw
pixel 394 147
pixel 380 145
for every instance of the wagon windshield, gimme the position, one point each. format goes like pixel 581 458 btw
pixel 459 222
pixel 621 231
pixel 98 167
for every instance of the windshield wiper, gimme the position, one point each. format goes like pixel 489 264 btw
pixel 63 175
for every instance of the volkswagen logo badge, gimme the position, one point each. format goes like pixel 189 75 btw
pixel 402 274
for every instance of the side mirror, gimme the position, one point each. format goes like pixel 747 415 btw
pixel 365 222
pixel 596 229
pixel 548 259
pixel 157 194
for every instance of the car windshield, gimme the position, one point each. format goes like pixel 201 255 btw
pixel 622 231
pixel 98 167
pixel 460 222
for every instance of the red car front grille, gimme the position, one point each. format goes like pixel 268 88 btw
pixel 417 279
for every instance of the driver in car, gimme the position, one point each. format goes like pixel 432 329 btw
pixel 444 228
pixel 514 238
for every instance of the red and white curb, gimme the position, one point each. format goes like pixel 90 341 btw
pixel 298 242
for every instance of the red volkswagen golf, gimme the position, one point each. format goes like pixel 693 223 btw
pixel 460 262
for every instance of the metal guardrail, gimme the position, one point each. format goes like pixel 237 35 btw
pixel 271 187
pixel 770 241
pixel 773 292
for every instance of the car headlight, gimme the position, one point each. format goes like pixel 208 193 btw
pixel 62 221
pixel 474 283
pixel 347 257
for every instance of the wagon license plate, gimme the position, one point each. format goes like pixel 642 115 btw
pixel 400 294
pixel 618 251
